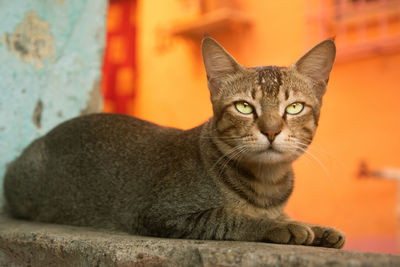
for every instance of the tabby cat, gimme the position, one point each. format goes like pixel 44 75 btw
pixel 227 179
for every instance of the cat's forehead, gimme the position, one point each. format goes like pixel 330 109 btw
pixel 278 84
pixel 267 85
pixel 270 79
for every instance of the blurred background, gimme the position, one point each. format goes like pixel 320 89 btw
pixel 145 56
pixel 153 70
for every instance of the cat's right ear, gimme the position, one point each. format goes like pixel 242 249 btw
pixel 219 64
pixel 317 63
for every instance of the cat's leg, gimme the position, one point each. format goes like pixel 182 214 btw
pixel 225 224
pixel 324 236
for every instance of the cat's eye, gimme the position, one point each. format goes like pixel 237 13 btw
pixel 244 107
pixel 294 108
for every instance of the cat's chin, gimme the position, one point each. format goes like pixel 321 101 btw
pixel 271 156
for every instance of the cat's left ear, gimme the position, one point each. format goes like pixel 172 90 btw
pixel 219 64
pixel 317 63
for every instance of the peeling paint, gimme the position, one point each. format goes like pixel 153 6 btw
pixel 65 38
pixel 37 114
pixel 31 40
pixel 95 101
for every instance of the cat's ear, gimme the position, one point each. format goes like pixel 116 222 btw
pixel 317 63
pixel 218 63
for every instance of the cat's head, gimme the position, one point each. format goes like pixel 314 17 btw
pixel 267 114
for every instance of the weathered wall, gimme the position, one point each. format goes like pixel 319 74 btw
pixel 50 59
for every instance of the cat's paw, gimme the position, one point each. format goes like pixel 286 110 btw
pixel 328 237
pixel 291 233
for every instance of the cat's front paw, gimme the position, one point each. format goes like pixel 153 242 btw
pixel 291 233
pixel 328 237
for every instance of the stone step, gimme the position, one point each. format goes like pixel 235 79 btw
pixel 24 243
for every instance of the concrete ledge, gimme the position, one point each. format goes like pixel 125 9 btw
pixel 25 243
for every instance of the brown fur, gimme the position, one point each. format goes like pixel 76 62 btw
pixel 228 179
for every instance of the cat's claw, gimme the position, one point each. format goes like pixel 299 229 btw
pixel 328 237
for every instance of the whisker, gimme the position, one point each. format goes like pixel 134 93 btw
pixel 318 149
pixel 228 154
pixel 314 157
pixel 233 155
pixel 221 137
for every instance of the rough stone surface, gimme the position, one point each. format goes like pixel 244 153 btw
pixel 24 243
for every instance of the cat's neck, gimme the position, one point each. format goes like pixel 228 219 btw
pixel 267 173
pixel 261 184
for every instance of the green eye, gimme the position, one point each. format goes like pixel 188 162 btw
pixel 244 107
pixel 294 108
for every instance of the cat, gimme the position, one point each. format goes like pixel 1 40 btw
pixel 227 179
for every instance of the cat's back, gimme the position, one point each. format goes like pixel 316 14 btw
pixel 111 129
pixel 101 141
pixel 85 168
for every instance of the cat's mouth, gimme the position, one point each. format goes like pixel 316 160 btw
pixel 273 149
pixel 269 149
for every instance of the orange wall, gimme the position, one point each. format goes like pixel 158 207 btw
pixel 360 115
pixel 360 120
pixel 171 85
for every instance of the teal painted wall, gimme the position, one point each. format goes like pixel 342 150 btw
pixel 50 67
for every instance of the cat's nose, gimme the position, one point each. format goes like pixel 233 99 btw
pixel 270 124
pixel 271 134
